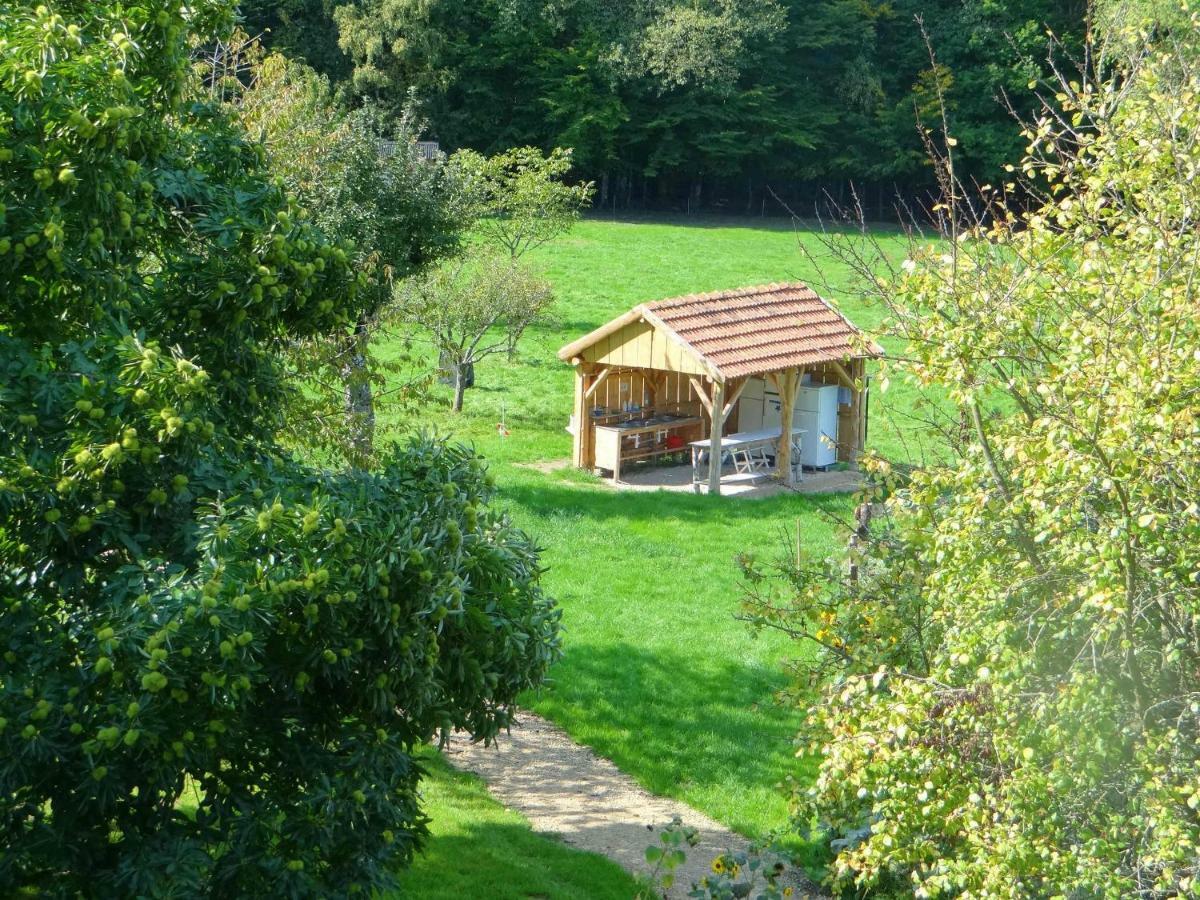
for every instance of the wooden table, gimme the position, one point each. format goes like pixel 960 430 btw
pixel 748 449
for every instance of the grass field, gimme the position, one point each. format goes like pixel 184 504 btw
pixel 658 675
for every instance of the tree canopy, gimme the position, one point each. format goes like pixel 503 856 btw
pixel 707 101
pixel 519 200
pixel 217 658
pixel 362 181
pixel 1009 681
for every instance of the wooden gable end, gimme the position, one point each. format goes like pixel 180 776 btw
pixel 641 345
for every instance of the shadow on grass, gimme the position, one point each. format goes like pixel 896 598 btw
pixel 508 862
pixel 559 497
pixel 477 848
pixel 687 723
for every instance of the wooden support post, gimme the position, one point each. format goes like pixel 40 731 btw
pixel 789 382
pixel 858 410
pixel 583 452
pixel 714 442
pixel 582 420
pixel 733 398
pixel 852 437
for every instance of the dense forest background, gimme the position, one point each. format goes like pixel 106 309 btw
pixel 700 105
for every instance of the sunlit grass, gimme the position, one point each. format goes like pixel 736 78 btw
pixel 659 675
pixel 477 848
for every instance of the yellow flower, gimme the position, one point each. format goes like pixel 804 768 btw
pixel 718 866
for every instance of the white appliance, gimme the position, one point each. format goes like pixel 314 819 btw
pixel 750 405
pixel 816 411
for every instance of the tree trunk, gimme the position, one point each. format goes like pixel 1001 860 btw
pixel 460 386
pixel 360 401
pixel 446 371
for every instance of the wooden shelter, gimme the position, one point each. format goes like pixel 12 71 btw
pixel 672 372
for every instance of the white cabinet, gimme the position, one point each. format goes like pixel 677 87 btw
pixel 750 405
pixel 772 407
pixel 816 411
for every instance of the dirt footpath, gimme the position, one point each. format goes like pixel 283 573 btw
pixel 566 790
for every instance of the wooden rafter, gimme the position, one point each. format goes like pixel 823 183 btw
pixel 600 379
pixel 705 400
pixel 842 374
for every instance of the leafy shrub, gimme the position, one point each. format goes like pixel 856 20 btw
pixel 216 658
pixel 1035 732
pixel 756 873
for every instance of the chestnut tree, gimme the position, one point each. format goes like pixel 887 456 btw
pixel 216 659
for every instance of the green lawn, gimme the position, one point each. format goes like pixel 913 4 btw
pixel 658 675
pixel 477 848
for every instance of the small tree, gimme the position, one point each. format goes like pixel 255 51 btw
pixel 362 181
pixel 473 307
pixel 519 200
pixel 520 197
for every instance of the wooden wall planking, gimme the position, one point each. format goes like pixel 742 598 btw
pixel 674 390
pixel 640 344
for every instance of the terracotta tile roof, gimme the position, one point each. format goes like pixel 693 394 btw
pixel 755 330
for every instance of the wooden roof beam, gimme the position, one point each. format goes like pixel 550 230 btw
pixel 733 398
pixel 600 379
pixel 702 394
pixel 842 374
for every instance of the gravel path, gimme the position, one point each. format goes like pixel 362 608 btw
pixel 566 790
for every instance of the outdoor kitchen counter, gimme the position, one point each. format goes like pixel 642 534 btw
pixel 622 442
pixel 655 423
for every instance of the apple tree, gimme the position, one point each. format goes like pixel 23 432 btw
pixel 1008 672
